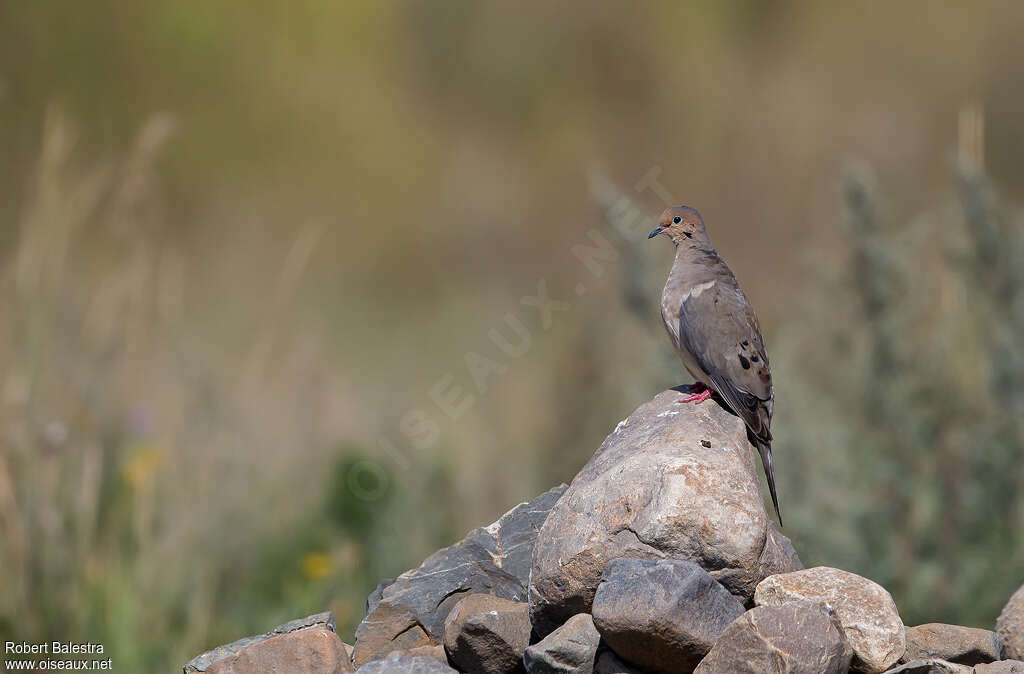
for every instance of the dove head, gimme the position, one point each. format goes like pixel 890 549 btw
pixel 682 224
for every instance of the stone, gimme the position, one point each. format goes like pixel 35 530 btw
pixel 397 663
pixel 930 666
pixel 609 663
pixel 570 649
pixel 410 611
pixel 953 643
pixel 1001 667
pixel 798 638
pixel 663 615
pixel 308 644
pixel 485 634
pixel 510 540
pixel 864 608
pixel 386 630
pixel 653 490
pixel 374 598
pixel 436 652
pixel 1010 626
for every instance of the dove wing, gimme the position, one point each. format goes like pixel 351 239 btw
pixel 719 329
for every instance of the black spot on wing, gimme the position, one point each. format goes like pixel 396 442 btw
pixel 744 362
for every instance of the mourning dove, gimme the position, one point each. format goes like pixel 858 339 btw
pixel 715 331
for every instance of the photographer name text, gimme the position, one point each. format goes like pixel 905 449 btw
pixel 53 648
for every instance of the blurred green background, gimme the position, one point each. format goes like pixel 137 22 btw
pixel 247 248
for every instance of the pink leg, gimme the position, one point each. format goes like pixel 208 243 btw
pixel 703 393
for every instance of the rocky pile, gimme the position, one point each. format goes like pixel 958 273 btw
pixel 659 557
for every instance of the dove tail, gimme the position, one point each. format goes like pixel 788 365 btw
pixel 765 450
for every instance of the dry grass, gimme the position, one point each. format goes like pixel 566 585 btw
pixel 138 461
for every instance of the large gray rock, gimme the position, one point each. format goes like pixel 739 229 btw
pixel 308 644
pixel 487 635
pixel 865 610
pixel 410 611
pixel 397 663
pixel 1001 667
pixel 663 615
pixel 510 541
pixel 672 481
pixel 1010 626
pixel 798 638
pixel 953 643
pixel 570 649
pixel 930 666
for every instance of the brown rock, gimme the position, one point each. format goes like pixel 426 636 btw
pixel 653 490
pixel 798 638
pixel 953 643
pixel 313 649
pixel 865 610
pixel 1010 626
pixel 1001 667
pixel 308 645
pixel 387 629
pixel 485 634
pixel 435 652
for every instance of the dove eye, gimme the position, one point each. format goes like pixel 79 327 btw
pixel 676 220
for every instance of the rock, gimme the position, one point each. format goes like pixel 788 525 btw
pixel 663 615
pixel 386 630
pixel 1001 667
pixel 570 649
pixel 865 610
pixel 511 540
pixel 436 652
pixel 1010 626
pixel 652 490
pixel 410 612
pixel 485 634
pixel 396 663
pixel 378 592
pixel 308 644
pixel 963 645
pixel 798 638
pixel 930 666
pixel 609 663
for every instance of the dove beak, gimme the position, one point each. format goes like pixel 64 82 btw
pixel 657 230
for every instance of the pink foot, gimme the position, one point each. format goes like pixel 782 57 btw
pixel 700 397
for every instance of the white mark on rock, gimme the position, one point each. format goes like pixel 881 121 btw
pixel 619 426
pixel 668 413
